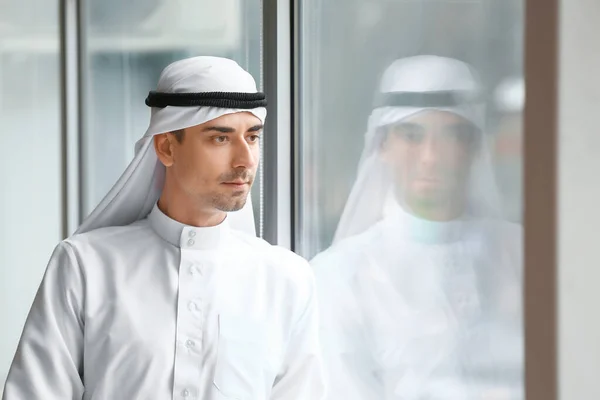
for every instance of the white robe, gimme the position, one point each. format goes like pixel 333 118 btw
pixel 414 309
pixel 160 310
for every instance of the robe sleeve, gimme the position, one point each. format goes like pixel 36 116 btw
pixel 302 375
pixel 351 373
pixel 48 364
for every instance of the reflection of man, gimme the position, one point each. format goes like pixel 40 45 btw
pixel 508 157
pixel 420 293
pixel 165 292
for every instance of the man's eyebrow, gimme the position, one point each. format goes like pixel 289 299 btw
pixel 228 129
pixel 464 125
pixel 256 128
pixel 407 125
pixel 220 129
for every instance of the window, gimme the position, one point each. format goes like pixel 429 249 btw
pixel 30 136
pixel 410 165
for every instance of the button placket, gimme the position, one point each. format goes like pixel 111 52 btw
pixel 193 306
pixel 195 309
pixel 189 319
pixel 191 235
pixel 195 269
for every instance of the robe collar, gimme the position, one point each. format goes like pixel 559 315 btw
pixel 186 236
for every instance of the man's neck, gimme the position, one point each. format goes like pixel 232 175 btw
pixel 189 216
pixel 441 212
pixel 178 206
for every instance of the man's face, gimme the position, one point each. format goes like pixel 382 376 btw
pixel 430 155
pixel 215 163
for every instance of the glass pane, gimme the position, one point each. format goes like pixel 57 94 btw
pixel 30 181
pixel 410 194
pixel 128 44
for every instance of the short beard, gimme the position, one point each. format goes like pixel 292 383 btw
pixel 229 203
pixel 237 200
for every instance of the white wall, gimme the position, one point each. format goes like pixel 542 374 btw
pixel 579 200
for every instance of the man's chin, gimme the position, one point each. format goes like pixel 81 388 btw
pixel 232 206
pixel 430 195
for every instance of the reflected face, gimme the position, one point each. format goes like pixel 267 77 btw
pixel 216 162
pixel 430 155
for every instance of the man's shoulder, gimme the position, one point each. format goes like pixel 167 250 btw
pixel 112 237
pixel 281 261
pixel 505 233
pixel 343 259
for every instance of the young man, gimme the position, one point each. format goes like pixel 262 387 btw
pixel 165 292
pixel 420 293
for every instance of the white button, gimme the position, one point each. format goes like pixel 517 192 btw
pixel 194 269
pixel 191 242
pixel 185 393
pixel 192 306
pixel 190 343
pixel 192 233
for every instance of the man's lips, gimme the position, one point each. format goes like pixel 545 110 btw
pixel 236 183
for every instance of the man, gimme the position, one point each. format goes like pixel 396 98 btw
pixel 164 295
pixel 420 292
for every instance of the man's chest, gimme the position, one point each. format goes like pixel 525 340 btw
pixel 204 321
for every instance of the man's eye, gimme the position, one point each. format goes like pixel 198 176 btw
pixel 220 139
pixel 463 134
pixel 409 133
pixel 411 136
pixel 254 138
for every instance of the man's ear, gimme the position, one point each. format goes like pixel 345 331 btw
pixel 163 144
